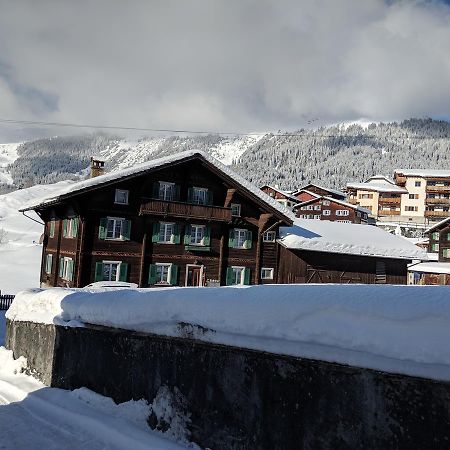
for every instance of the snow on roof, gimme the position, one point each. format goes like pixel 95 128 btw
pixel 340 202
pixel 430 267
pixel 347 238
pixel 334 191
pixel 156 163
pixel 380 177
pixel 437 225
pixel 423 173
pixel 285 193
pixel 400 329
pixel 377 186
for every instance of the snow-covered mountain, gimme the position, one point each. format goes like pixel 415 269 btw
pixel 8 154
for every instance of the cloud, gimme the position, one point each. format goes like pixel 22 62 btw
pixel 253 65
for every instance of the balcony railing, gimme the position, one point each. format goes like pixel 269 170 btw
pixel 438 188
pixel 388 212
pixel 185 210
pixel 401 181
pixel 437 213
pixel 439 201
pixel 389 200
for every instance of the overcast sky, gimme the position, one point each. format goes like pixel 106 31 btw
pixel 221 65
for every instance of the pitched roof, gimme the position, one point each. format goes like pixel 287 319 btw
pixel 437 225
pixel 308 192
pixel 331 199
pixel 347 238
pixel 334 191
pixel 139 169
pixel 378 186
pixel 285 193
pixel 423 172
pixel 430 267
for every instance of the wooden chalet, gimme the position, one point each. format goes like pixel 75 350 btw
pixel 284 198
pixel 328 208
pixel 183 220
pixel 315 251
pixel 319 190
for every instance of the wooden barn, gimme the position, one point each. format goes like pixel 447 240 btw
pixel 315 251
pixel 183 220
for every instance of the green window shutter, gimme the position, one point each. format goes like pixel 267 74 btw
pixel 209 197
pixel 229 276
pixel 187 235
pixel 70 270
pixel 126 229
pixel 190 196
pixel 123 271
pixel 98 271
pixel 152 274
pixel 246 276
pixel 435 236
pixel 176 234
pixel 52 228
pixel 155 233
pixel 173 275
pixel 248 241
pixel 102 228
pixel 176 193
pixel 207 237
pixel 64 227
pixel 61 267
pixel 75 227
pixel 231 239
pixel 448 236
pixel 156 189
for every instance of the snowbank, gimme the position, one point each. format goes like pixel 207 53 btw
pixel 402 329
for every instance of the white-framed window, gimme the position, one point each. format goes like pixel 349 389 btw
pixel 66 268
pixel 166 232
pixel 310 216
pixel 310 207
pixel 342 212
pixel 269 236
pixel 240 236
pixel 52 228
pixel 344 221
pixel 197 234
pixel 326 212
pixel 166 191
pixel 111 271
pixel 411 208
pixel 435 247
pixel 446 252
pixel 304 216
pixel 199 195
pixel 326 203
pixel 317 216
pixel 267 273
pixel 121 197
pixel 236 209
pixel 317 207
pixel 115 228
pixel 417 183
pixel 48 263
pixel 163 274
pixel 70 227
pixel 237 275
pixel 435 236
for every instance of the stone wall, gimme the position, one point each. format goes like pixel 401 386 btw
pixel 244 399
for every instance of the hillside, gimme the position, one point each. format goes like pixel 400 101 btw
pixel 331 156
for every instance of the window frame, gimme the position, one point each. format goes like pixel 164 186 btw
pixel 169 274
pixel 202 240
pixel 195 191
pixel 166 187
pixel 172 234
pixel 121 191
pixel 64 275
pixel 342 212
pixel 238 206
pixel 271 233
pixel 267 277
pixel 238 232
pixel 118 263
pixel 114 220
pixel 48 257
pixel 242 275
pixel 326 212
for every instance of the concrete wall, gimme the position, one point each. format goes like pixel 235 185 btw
pixel 243 399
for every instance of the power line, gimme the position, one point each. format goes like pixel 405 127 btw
pixel 309 133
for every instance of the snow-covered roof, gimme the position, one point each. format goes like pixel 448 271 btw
pixel 138 169
pixel 423 173
pixel 437 225
pixel 377 186
pixel 285 193
pixel 380 177
pixel 340 202
pixel 334 191
pixel 430 267
pixel 347 238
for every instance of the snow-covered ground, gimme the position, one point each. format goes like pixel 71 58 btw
pixel 20 251
pixel 399 329
pixel 33 416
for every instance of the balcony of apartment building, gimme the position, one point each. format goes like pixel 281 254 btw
pixel 438 186
pixel 387 210
pixel 389 199
pixel 186 210
pixel 438 199
pixel 400 180
pixel 437 212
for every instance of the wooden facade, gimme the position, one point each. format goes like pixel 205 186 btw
pixel 301 266
pixel 439 240
pixel 77 250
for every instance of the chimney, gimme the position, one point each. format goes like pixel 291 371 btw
pixel 97 167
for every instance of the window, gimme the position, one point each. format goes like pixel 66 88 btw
pixel 199 196
pixel 446 253
pixel 317 216
pixel 111 271
pixel 163 274
pixel 317 207
pixel 341 212
pixel 66 268
pixel 304 216
pixel 235 209
pixel 166 191
pixel 309 207
pixel 240 238
pixel 121 197
pixel 326 203
pixel 435 236
pixel 411 208
pixel 238 275
pixel 435 247
pixel 448 236
pixel 266 273
pixel 70 228
pixel 413 196
pixel 417 183
pixel 166 232
pixel 344 221
pixel 197 234
pixel 365 195
pixel 114 228
pixel 269 236
pixel 326 212
pixel 52 228
pixel 48 263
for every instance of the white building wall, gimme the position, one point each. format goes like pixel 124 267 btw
pixel 419 202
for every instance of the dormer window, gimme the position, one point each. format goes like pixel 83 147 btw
pixel 121 197
pixel 166 191
pixel 236 209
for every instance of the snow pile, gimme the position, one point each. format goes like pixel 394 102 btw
pixel 403 329
pixel 9 365
pixel 347 238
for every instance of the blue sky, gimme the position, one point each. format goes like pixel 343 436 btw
pixel 253 65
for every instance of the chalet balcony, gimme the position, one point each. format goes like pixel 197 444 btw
pixel 438 189
pixel 185 210
pixel 389 200
pixel 438 201
pixel 437 214
pixel 388 212
pixel 400 181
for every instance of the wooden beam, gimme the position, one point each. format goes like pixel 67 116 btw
pixel 221 251
pixel 142 263
pixel 229 197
